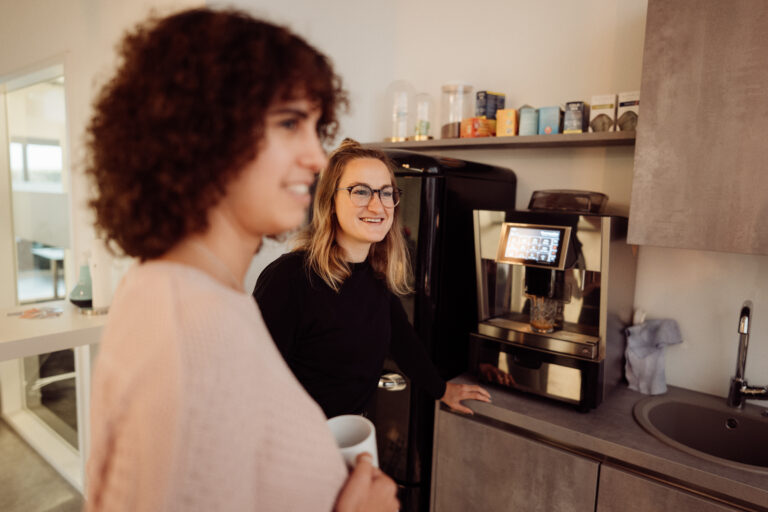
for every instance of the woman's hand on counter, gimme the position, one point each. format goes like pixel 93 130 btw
pixel 367 489
pixel 455 393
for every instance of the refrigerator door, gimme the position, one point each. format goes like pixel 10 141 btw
pixel 391 412
pixel 439 195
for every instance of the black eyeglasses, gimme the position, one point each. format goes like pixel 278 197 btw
pixel 362 194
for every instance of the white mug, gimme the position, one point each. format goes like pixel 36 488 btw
pixel 354 435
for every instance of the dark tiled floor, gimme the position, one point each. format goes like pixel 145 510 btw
pixel 28 483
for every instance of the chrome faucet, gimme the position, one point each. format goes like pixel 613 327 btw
pixel 740 390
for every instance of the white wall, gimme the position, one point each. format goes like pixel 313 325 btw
pixel 359 36
pixel 544 53
pixel 37 111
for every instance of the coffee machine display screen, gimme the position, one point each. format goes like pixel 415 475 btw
pixel 534 245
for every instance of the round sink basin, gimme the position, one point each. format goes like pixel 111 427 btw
pixel 703 425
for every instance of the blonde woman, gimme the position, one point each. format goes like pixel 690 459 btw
pixel 332 305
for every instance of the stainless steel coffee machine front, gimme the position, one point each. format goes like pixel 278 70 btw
pixel 555 291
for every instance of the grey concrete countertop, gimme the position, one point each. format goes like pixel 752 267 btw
pixel 611 434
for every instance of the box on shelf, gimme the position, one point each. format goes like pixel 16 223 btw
pixel 576 118
pixel 472 127
pixel 529 120
pixel 626 115
pixel 602 116
pixel 487 103
pixel 550 120
pixel 506 122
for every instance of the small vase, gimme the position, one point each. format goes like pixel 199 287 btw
pixel 81 295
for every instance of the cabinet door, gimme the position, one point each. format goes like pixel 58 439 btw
pixel 624 492
pixel 699 178
pixel 482 467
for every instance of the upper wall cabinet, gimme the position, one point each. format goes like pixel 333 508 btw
pixel 701 154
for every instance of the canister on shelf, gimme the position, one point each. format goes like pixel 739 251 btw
pixel 550 120
pixel 399 103
pixel 487 103
pixel 529 120
pixel 456 105
pixel 576 118
pixel 424 111
pixel 477 127
pixel 627 110
pixel 602 115
pixel 506 122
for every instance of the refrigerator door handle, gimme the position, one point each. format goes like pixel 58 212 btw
pixel 392 382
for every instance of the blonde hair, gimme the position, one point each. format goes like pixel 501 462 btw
pixel 388 258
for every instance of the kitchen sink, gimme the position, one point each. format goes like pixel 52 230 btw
pixel 704 426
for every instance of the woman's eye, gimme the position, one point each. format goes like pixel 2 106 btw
pixel 360 192
pixel 387 193
pixel 290 124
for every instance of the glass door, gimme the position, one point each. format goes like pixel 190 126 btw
pixel 39 393
pixel 37 141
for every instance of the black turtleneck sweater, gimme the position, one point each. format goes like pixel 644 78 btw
pixel 335 342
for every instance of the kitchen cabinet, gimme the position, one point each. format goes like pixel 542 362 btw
pixel 620 491
pixel 699 176
pixel 480 466
pixel 522 452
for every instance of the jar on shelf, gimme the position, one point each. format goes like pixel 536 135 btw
pixel 400 109
pixel 424 110
pixel 456 105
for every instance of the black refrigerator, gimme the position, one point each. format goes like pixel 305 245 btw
pixel 439 195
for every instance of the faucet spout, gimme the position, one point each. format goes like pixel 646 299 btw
pixel 744 324
pixel 739 390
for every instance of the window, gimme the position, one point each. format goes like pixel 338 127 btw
pixel 35 161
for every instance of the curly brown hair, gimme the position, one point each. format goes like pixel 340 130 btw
pixel 183 115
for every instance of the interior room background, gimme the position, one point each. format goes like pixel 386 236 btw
pixel 537 53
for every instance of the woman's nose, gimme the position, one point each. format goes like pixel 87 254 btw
pixel 314 156
pixel 375 203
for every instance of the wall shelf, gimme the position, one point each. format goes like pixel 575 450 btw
pixel 517 142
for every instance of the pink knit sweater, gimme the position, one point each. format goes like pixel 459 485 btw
pixel 193 407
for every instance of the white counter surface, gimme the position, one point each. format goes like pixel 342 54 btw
pixel 22 337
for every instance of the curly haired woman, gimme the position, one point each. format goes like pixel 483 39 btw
pixel 207 139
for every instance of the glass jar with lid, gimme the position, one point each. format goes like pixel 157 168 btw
pixel 424 110
pixel 456 105
pixel 399 104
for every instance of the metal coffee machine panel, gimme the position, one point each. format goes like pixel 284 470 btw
pixel 555 292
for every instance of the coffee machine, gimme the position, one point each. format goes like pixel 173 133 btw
pixel 555 292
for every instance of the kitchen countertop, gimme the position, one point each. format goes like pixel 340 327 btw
pixel 610 434
pixel 22 337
